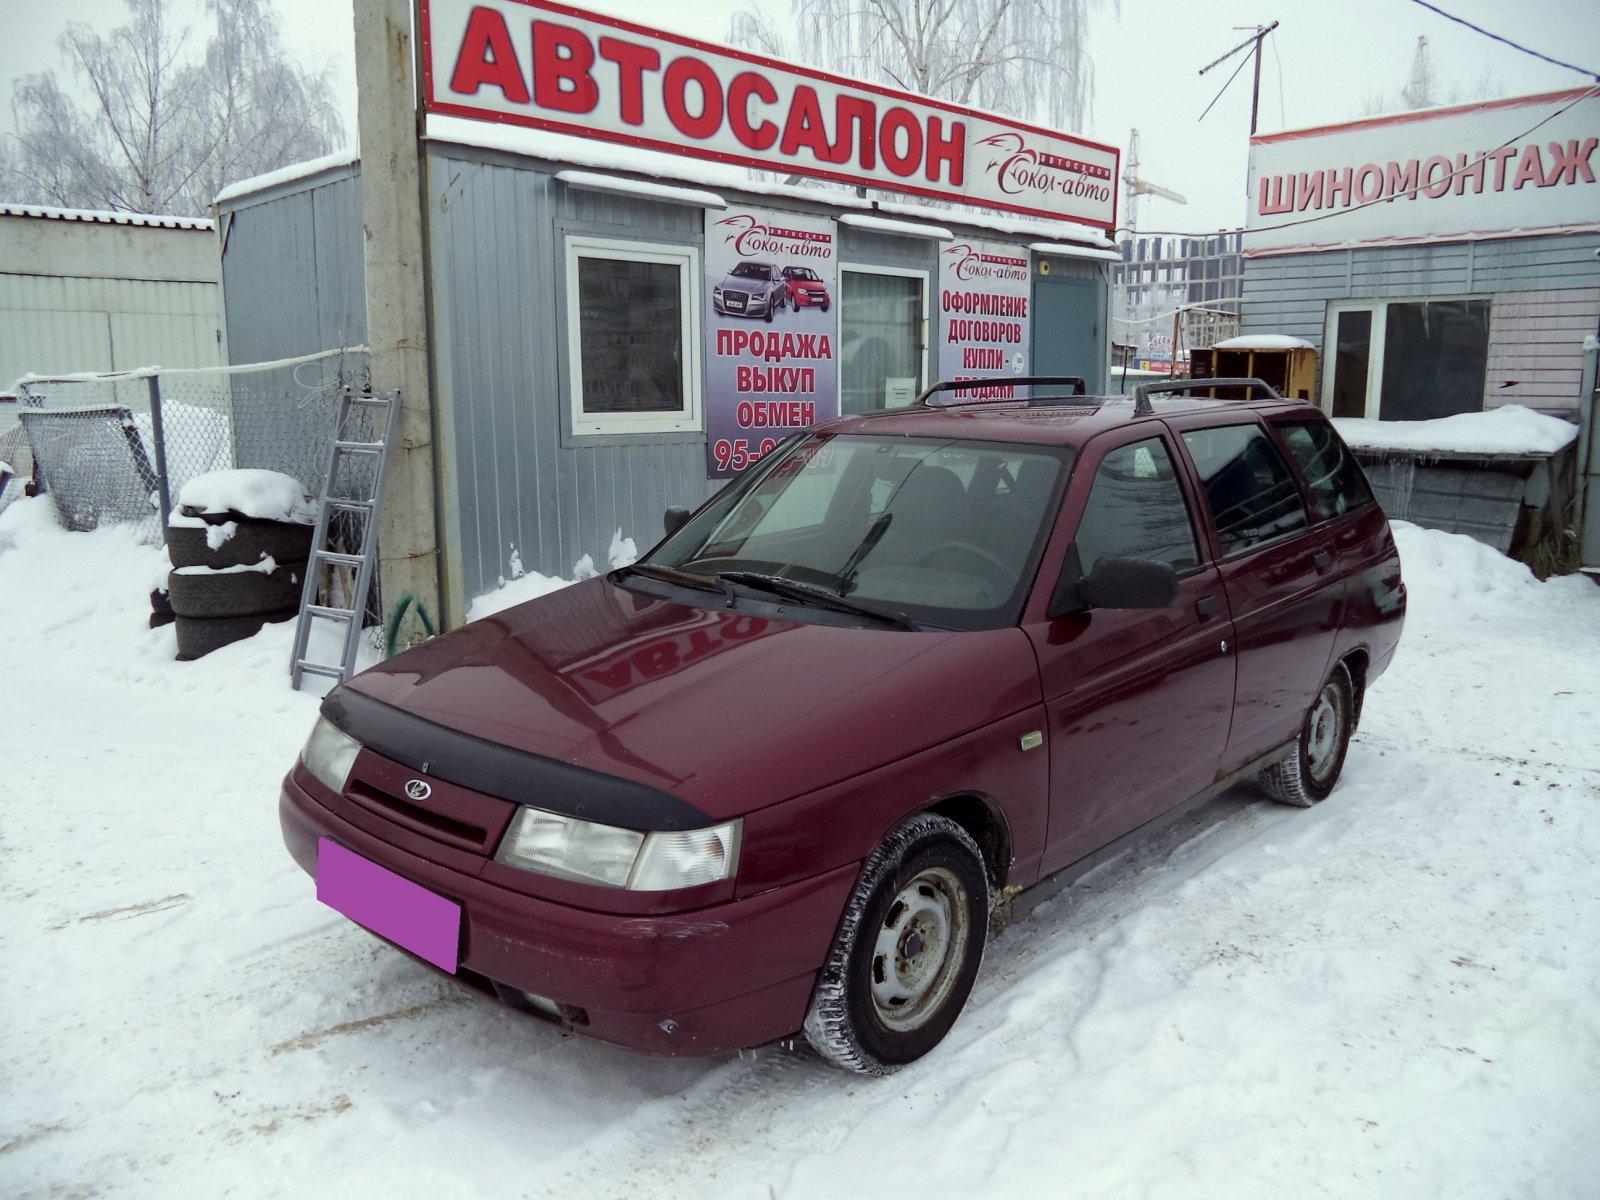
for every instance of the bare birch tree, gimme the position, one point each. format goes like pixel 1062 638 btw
pixel 1023 58
pixel 160 127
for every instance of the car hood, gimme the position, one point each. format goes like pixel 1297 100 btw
pixel 807 285
pixel 744 283
pixel 727 710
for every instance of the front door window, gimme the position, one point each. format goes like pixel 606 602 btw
pixel 882 319
pixel 1406 360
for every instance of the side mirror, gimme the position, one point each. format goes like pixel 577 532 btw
pixel 674 518
pixel 1129 583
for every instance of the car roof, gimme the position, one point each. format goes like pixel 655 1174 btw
pixel 1069 422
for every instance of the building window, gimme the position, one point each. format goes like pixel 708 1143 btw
pixel 883 337
pixel 1406 360
pixel 633 336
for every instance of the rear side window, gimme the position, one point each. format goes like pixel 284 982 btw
pixel 1337 482
pixel 1136 510
pixel 1252 495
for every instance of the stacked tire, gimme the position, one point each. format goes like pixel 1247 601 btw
pixel 225 592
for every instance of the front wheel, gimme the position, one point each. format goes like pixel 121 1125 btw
pixel 1312 768
pixel 907 950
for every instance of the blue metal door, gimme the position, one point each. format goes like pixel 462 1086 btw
pixel 1068 333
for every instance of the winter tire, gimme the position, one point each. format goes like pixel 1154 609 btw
pixel 282 541
pixel 207 594
pixel 160 604
pixel 907 951
pixel 199 636
pixel 1312 768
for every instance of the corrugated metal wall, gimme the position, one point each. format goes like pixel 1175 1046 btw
pixel 523 481
pixel 1544 287
pixel 513 478
pixel 293 273
pixel 520 482
pixel 292 270
pixel 53 323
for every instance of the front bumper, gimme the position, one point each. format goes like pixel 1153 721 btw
pixel 711 981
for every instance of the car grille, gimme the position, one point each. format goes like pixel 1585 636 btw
pixel 735 300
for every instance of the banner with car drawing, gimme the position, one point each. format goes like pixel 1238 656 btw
pixel 984 321
pixel 772 279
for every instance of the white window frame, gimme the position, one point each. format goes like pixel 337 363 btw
pixel 1376 344
pixel 924 332
pixel 689 418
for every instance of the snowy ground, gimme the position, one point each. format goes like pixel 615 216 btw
pixel 1392 994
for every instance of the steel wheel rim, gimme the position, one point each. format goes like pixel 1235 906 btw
pixel 919 949
pixel 1322 733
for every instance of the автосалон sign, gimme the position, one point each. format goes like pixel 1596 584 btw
pixel 549 66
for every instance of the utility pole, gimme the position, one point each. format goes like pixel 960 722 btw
pixel 1255 84
pixel 388 116
pixel 1254 43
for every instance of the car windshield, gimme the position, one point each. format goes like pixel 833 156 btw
pixel 945 531
pixel 750 270
pixel 800 273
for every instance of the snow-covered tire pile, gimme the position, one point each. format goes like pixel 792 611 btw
pixel 205 592
pixel 244 545
pixel 198 637
pixel 238 545
pixel 160 608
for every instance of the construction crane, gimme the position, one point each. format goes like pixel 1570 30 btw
pixel 1135 186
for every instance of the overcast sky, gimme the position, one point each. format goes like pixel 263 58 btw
pixel 1323 62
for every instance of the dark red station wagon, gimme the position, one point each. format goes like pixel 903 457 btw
pixel 777 775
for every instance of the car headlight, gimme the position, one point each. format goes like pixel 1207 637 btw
pixel 568 848
pixel 329 754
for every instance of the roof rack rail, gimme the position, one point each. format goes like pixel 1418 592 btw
pixel 1076 382
pixel 1141 393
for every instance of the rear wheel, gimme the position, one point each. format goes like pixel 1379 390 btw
pixel 1312 768
pixel 907 950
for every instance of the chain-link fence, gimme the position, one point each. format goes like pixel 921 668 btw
pixel 117 447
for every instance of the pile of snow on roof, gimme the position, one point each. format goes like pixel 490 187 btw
pixel 1508 430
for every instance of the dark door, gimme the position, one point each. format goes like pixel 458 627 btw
pixel 1277 570
pixel 1066 324
pixel 1138 700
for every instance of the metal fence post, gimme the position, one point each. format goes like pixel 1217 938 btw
pixel 158 434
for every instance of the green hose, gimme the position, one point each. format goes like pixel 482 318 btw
pixel 397 614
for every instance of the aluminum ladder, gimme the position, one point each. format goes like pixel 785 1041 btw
pixel 384 411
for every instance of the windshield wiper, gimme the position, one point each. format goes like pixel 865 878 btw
pixel 669 575
pixel 847 573
pixel 810 593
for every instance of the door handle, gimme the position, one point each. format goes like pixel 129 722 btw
pixel 1206 606
pixel 1324 562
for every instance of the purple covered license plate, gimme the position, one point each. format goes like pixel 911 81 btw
pixel 407 914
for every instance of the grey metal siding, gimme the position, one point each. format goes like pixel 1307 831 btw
pixel 293 283
pixel 1290 293
pixel 292 271
pixel 514 479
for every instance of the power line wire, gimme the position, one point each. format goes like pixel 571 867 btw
pixel 1434 8
pixel 1327 216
